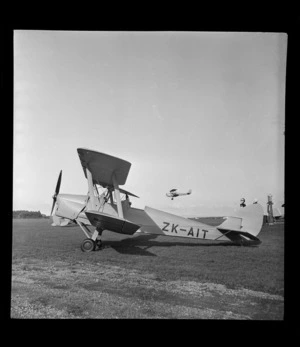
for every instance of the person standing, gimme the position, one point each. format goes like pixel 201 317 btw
pixel 243 202
pixel 270 210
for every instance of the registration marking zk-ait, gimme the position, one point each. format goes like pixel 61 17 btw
pixel 173 228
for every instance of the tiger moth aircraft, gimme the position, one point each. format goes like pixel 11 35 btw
pixel 107 211
pixel 173 193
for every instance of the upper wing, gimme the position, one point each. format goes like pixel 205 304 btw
pixel 102 167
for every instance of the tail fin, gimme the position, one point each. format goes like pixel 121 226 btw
pixel 189 191
pixel 247 220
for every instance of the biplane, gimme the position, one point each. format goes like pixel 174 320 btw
pixel 173 193
pixel 95 212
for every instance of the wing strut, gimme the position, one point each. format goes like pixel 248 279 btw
pixel 117 195
pixel 111 197
pixel 91 189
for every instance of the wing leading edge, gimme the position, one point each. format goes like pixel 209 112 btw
pixel 103 166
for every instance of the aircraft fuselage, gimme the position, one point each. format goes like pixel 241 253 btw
pixel 152 221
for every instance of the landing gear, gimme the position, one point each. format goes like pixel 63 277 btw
pixel 92 242
pixel 98 244
pixel 88 245
pixel 96 236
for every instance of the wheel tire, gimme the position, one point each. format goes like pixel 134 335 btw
pixel 88 245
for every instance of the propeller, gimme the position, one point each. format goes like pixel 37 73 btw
pixel 56 191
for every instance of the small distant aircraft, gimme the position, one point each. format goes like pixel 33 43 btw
pixel 173 193
pixel 107 211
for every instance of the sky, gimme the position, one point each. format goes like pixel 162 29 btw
pixel 190 110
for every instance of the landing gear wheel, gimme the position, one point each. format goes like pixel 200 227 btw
pixel 88 245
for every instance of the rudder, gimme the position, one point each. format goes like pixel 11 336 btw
pixel 246 220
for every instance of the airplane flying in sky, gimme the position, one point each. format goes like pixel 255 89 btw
pixel 173 193
pixel 107 211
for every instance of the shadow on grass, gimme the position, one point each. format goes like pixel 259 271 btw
pixel 140 245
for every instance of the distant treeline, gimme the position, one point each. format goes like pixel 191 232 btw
pixel 28 214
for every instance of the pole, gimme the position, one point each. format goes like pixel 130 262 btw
pixel 270 210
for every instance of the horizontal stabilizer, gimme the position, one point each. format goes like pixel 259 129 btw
pixel 104 221
pixel 232 223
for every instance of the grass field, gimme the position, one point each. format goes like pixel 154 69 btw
pixel 144 276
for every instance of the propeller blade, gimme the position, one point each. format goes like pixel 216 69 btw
pixel 58 183
pixel 56 191
pixel 54 201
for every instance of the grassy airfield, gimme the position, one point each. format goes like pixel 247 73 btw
pixel 144 276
